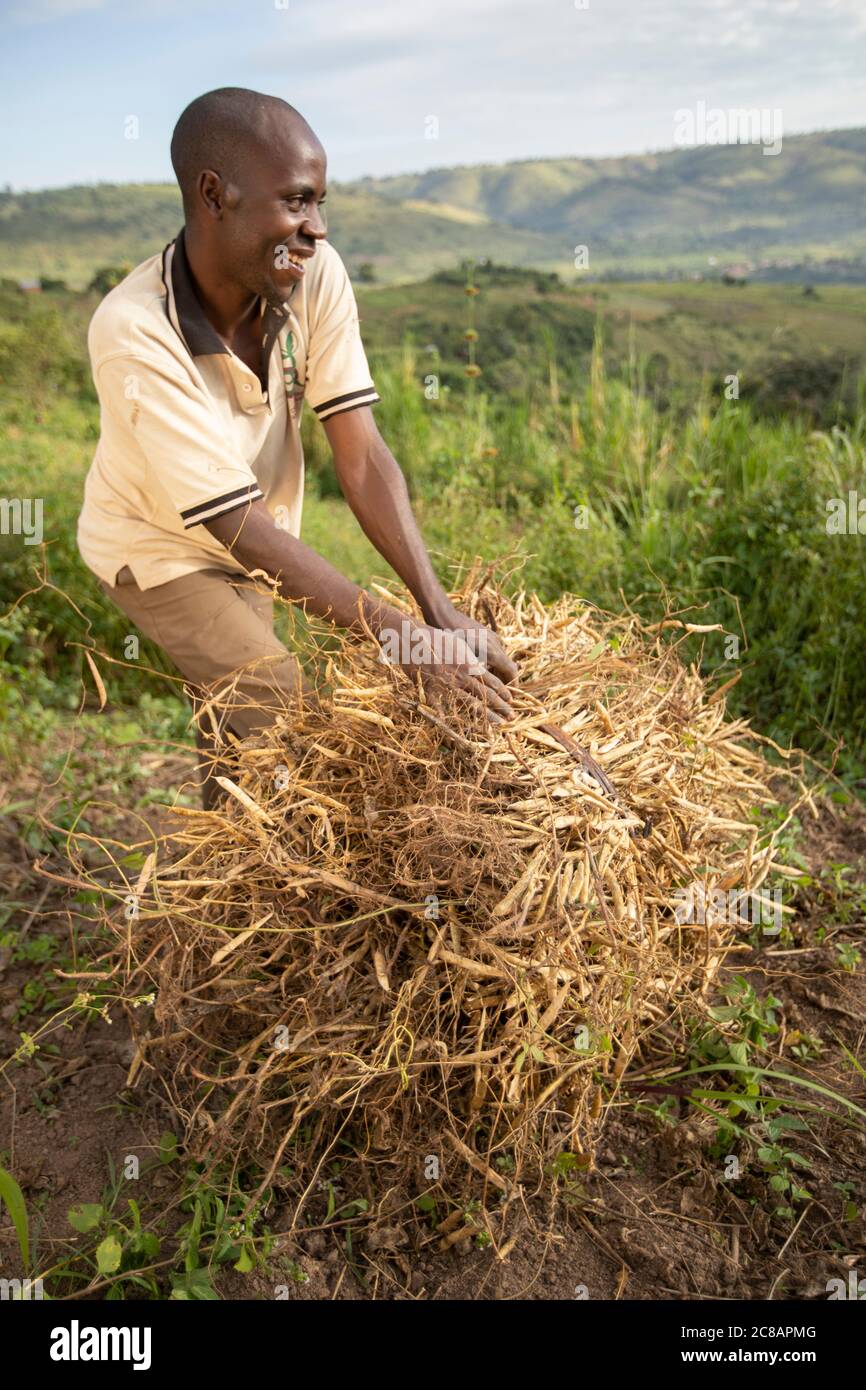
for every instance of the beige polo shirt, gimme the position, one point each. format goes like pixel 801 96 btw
pixel 186 431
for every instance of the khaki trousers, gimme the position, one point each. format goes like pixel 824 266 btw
pixel 218 630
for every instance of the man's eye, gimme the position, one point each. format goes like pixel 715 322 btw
pixel 298 202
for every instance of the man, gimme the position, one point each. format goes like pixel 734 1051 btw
pixel 202 358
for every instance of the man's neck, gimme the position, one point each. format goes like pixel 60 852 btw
pixel 229 307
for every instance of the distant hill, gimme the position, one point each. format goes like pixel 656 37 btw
pixel 641 214
pixel 790 346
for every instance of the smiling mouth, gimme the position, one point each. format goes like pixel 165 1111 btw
pixel 298 259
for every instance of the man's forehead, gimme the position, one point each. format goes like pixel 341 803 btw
pixel 281 163
pixel 289 150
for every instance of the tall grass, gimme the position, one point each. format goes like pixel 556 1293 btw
pixel 706 504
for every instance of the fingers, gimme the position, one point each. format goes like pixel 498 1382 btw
pixel 470 675
pixel 482 645
pixel 495 684
pixel 484 686
pixel 490 650
pixel 495 656
pixel 505 667
pixel 475 704
pixel 499 661
pixel 484 689
pixel 482 671
pixel 495 694
pixel 470 693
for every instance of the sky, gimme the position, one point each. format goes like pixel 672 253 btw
pixel 90 89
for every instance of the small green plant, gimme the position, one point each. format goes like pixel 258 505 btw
pixel 568 1171
pixel 427 1205
pixel 850 1211
pixel 848 955
pixel 122 1252
pixel 845 899
pixel 779 1162
pixel 124 1249
pixel 804 1046
pixel 220 1230
pixel 12 1198
pixel 749 1024
pixel 753 1116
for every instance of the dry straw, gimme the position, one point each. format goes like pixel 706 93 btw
pixel 403 937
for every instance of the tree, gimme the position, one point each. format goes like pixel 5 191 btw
pixel 108 276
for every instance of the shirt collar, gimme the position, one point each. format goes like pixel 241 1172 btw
pixel 185 310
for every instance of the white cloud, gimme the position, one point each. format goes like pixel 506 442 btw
pixel 508 79
pixel 44 11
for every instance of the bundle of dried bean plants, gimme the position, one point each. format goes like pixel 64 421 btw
pixel 409 937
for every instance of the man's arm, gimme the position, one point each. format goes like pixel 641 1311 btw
pixel 372 483
pixel 305 578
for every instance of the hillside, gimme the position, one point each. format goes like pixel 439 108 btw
pixel 647 214
pixel 679 332
pixel 713 198
pixel 67 233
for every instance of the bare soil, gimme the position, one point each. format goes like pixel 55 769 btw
pixel 655 1217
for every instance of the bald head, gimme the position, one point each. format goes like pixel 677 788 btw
pixel 253 178
pixel 223 129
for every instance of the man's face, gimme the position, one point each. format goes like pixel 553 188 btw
pixel 273 212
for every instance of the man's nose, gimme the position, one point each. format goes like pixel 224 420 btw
pixel 314 226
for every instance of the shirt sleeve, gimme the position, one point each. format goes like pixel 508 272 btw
pixel 338 377
pixel 188 454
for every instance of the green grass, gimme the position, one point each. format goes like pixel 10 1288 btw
pixel 761 1098
pixel 711 502
pixel 785 346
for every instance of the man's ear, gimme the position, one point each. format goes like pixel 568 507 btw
pixel 212 193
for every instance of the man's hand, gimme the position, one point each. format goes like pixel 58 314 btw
pixel 448 667
pixel 471 665
pixel 484 643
